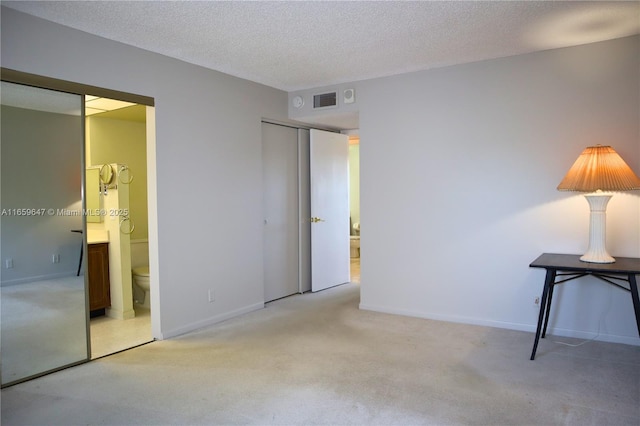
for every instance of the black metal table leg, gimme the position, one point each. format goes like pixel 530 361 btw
pixel 548 283
pixel 548 308
pixel 633 286
pixel 79 231
pixel 80 263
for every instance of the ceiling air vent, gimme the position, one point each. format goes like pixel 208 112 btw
pixel 325 100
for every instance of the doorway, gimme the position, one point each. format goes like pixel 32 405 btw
pixel 116 151
pixel 354 203
pixel 305 176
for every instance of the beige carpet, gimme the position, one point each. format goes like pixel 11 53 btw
pixel 43 326
pixel 317 359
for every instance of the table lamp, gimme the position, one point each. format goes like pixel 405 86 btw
pixel 599 169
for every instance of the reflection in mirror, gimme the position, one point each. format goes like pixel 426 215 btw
pixel 43 312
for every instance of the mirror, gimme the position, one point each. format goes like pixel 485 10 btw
pixel 43 317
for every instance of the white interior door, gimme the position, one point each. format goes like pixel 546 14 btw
pixel 329 166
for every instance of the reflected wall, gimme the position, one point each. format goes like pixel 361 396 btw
pixel 43 312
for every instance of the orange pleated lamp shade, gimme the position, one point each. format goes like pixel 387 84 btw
pixel 599 168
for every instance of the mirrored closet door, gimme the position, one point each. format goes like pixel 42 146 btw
pixel 43 297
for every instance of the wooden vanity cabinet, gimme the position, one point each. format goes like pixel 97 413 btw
pixel 98 270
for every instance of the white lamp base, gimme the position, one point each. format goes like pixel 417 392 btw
pixel 597 251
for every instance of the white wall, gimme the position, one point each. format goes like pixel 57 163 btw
pixel 124 142
pixel 208 148
pixel 36 176
pixel 343 116
pixel 458 177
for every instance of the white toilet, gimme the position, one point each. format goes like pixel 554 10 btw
pixel 355 246
pixel 355 241
pixel 141 281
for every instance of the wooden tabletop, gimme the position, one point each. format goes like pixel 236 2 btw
pixel 572 262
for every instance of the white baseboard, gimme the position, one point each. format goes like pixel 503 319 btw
pixel 39 278
pixel 588 335
pixel 610 338
pixel 166 334
pixel 120 314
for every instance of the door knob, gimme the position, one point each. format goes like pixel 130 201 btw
pixel 316 220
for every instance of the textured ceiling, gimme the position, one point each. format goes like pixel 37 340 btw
pixel 300 45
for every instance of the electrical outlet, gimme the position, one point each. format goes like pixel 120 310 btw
pixel 55 258
pixel 8 264
pixel 211 295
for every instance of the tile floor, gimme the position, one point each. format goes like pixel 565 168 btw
pixel 355 270
pixel 109 335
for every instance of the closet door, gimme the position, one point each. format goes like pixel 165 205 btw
pixel 280 207
pixel 43 313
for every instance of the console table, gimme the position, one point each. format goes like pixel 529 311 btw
pixel 566 267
